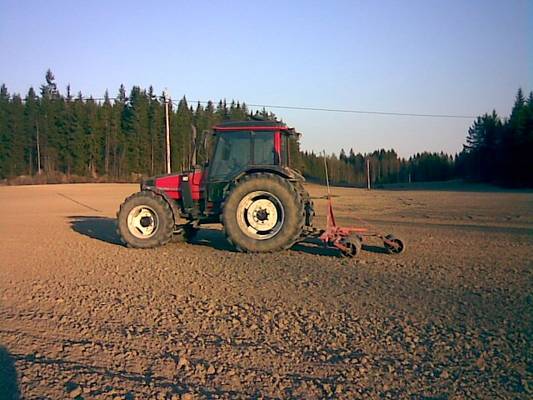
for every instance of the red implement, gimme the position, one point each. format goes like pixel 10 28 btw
pixel 349 239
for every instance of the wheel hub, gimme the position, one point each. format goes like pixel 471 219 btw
pixel 146 222
pixel 142 222
pixel 260 215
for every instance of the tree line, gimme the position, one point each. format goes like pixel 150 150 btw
pixel 50 136
pixel 497 150
pixel 380 167
pixel 120 138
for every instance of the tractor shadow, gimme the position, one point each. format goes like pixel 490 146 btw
pixel 315 246
pixel 213 238
pixel 105 230
pixel 9 387
pixel 375 249
pixel 99 228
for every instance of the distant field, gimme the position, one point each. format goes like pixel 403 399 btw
pixel 452 185
pixel 81 315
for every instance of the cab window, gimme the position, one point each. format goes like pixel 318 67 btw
pixel 264 152
pixel 232 154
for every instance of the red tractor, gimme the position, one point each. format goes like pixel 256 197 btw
pixel 248 185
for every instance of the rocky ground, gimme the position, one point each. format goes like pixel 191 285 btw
pixel 81 316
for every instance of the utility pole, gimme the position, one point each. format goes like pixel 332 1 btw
pixel 167 129
pixel 327 174
pixel 368 173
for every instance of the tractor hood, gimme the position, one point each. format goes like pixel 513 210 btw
pixel 171 184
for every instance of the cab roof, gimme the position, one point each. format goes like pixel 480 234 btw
pixel 253 126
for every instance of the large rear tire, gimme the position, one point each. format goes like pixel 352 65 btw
pixel 308 207
pixel 145 220
pixel 262 213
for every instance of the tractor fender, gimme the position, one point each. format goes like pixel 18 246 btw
pixel 283 172
pixel 286 173
pixel 173 205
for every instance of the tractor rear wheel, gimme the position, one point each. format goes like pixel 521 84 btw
pixel 145 220
pixel 262 213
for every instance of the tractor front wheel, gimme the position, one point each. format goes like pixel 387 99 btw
pixel 145 220
pixel 263 213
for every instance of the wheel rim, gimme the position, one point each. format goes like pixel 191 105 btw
pixel 143 222
pixel 260 215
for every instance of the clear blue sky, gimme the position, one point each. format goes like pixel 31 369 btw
pixel 446 57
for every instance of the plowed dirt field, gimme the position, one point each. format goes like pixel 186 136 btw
pixel 82 316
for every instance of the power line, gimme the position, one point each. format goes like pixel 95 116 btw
pixel 301 108
pixel 340 110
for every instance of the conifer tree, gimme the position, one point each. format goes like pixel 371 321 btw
pixel 31 111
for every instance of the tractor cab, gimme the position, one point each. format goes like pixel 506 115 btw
pixel 242 148
pixel 241 145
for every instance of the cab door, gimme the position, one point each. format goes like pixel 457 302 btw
pixel 232 156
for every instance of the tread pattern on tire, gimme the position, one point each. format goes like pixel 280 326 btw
pixel 298 201
pixel 166 221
